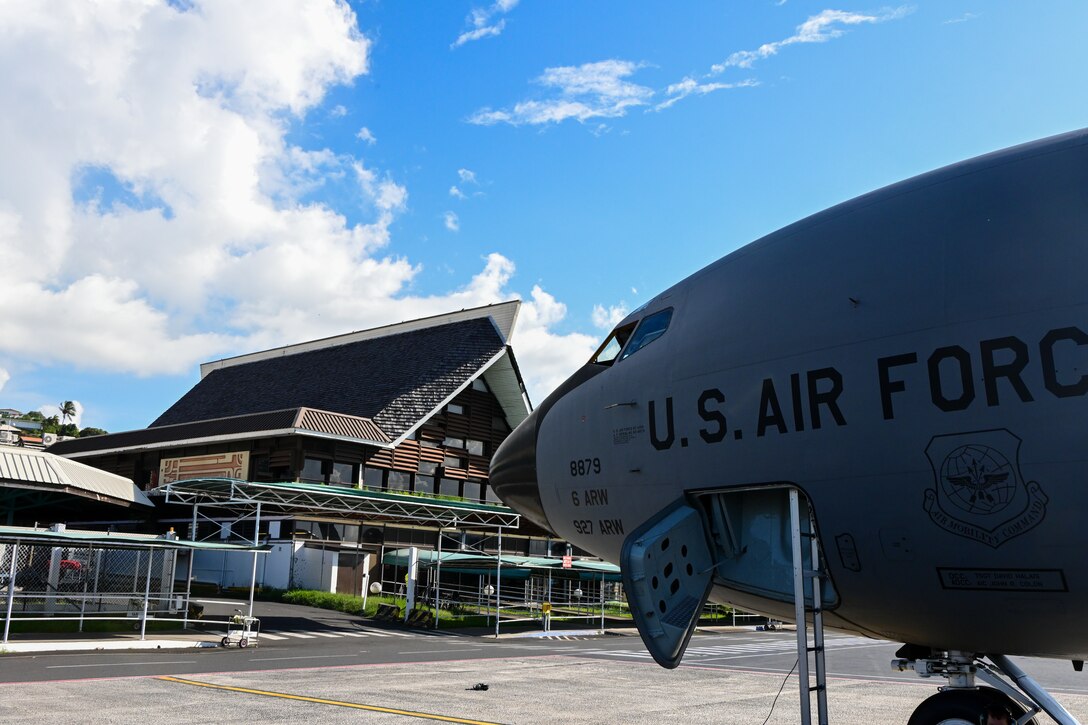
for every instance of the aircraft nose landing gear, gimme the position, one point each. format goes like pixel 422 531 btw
pixel 964 707
pixel 962 702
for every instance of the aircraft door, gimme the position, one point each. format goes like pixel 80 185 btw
pixel 751 542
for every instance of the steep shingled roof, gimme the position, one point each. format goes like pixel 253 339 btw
pixel 393 380
pixel 373 385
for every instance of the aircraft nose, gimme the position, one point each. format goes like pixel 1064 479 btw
pixel 513 473
pixel 513 467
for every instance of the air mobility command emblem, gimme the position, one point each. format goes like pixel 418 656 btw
pixel 980 494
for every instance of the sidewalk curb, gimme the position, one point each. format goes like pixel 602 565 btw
pixel 94 645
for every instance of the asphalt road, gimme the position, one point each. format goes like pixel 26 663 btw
pixel 314 664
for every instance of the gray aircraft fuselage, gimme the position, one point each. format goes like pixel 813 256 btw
pixel 914 361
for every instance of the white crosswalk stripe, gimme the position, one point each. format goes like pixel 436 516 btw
pixel 782 646
pixel 358 632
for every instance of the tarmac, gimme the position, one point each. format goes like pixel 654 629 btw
pixel 190 639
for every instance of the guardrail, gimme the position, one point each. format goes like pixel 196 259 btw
pixel 61 583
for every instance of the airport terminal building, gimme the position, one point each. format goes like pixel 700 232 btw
pixel 357 445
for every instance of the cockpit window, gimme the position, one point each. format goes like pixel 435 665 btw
pixel 651 328
pixel 610 350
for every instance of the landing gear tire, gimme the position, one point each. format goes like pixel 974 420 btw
pixel 962 707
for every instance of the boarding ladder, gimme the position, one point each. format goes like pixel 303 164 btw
pixel 802 611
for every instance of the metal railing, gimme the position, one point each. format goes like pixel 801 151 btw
pixel 68 583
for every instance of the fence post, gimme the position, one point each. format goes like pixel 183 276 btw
pixel 147 594
pixel 97 569
pixel 11 589
pixel 83 602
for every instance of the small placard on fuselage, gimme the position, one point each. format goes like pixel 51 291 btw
pixel 1005 580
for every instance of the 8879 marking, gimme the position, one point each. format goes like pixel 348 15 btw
pixel 585 467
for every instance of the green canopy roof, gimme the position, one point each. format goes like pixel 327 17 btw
pixel 111 540
pixel 486 562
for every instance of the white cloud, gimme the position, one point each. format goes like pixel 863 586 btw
pixel 51 410
pixel 5 376
pixel 365 135
pixel 452 222
pixel 480 19
pixel 591 90
pixel 195 242
pixel 467 177
pixel 338 111
pixel 817 29
pixel 552 357
pixel 608 317
pixel 161 215
pixel 688 86
pixel 966 17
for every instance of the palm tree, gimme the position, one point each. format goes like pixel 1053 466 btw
pixel 67 410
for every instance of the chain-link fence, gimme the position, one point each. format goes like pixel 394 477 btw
pixel 78 583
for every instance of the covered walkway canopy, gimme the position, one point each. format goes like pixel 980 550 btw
pixel 31 478
pixel 311 498
pixel 110 540
pixel 473 563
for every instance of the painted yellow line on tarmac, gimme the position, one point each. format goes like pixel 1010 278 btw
pixel 338 703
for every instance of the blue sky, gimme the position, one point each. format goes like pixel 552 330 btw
pixel 186 181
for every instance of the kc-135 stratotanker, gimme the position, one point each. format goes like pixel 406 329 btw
pixel 875 418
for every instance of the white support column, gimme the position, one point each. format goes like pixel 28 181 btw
pixel 256 540
pixel 498 585
pixel 438 579
pixel 602 602
pixel 189 576
pixel 366 581
pixel 799 607
pixel 548 599
pixel 413 571
pixel 53 579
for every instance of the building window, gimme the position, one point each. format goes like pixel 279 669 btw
pixel 399 481
pixel 472 490
pixel 425 485
pixel 455 409
pixel 479 384
pixel 426 443
pixel 449 487
pixel 453 462
pixel 322 470
pixel 344 474
pixel 428 468
pixel 490 497
pixel 476 448
pixel 313 470
pixel 373 477
pixel 451 442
